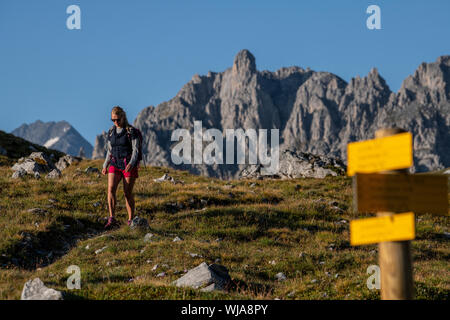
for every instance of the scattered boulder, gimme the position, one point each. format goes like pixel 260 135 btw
pixel 148 237
pixel 166 177
pixel 91 170
pixel 176 239
pixel 36 290
pixel 66 161
pixel 280 276
pixel 19 174
pixel 207 278
pixel 138 222
pixel 194 255
pixel 35 162
pixel 54 174
pixel 100 250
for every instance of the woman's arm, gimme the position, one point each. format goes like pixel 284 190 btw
pixel 108 155
pixel 134 154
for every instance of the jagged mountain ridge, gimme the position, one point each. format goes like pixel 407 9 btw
pixel 316 112
pixel 59 135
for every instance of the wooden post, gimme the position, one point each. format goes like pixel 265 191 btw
pixel 394 257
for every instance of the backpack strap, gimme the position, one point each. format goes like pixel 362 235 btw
pixel 110 131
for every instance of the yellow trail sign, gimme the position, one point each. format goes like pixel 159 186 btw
pixel 397 227
pixel 400 193
pixel 388 153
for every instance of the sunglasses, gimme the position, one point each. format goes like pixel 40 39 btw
pixel 114 120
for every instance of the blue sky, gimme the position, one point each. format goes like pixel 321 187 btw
pixel 140 53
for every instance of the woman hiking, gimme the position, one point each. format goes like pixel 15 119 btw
pixel 122 159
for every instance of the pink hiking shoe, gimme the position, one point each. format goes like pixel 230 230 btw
pixel 112 222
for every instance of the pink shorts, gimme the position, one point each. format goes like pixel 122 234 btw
pixel 132 173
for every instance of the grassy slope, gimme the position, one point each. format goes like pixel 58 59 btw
pixel 281 221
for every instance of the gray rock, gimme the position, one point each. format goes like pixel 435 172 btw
pixel 98 251
pixel 203 276
pixel 36 162
pixel 138 222
pixel 194 255
pixel 91 170
pixel 165 177
pixel 176 239
pixel 36 290
pixel 298 165
pixel 66 161
pixel 148 236
pixel 54 174
pixel 280 276
pixel 18 174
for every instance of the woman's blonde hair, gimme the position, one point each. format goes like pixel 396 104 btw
pixel 118 111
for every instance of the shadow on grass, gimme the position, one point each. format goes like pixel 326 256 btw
pixel 424 292
pixel 197 202
pixel 251 288
pixel 40 249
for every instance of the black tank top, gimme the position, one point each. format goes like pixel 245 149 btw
pixel 121 148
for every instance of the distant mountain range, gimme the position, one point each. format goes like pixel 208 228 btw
pixel 316 112
pixel 59 136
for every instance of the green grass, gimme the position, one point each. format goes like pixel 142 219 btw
pixel 286 226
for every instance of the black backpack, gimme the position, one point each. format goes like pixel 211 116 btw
pixel 130 130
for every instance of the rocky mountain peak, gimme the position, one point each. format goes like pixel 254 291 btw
pixel 430 83
pixel 244 63
pixel 315 112
pixel 61 136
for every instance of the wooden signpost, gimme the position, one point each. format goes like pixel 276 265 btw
pixel 380 229
pixel 381 184
pixel 400 192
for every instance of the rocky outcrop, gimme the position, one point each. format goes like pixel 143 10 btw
pixel 315 112
pixel 66 161
pixel 298 165
pixel 38 163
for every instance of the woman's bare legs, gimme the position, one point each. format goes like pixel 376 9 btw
pixel 128 184
pixel 113 182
